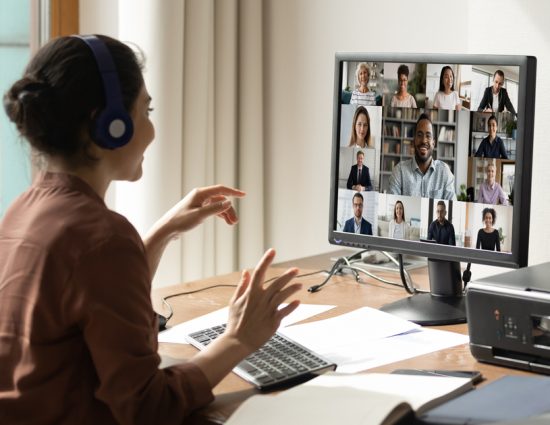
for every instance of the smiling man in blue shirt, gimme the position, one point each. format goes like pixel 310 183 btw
pixel 423 175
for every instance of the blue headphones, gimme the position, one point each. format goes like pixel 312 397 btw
pixel 113 125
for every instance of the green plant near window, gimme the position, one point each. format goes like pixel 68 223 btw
pixel 501 235
pixel 510 126
pixel 462 195
pixel 417 84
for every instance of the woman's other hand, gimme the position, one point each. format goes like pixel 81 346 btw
pixel 198 205
pixel 254 313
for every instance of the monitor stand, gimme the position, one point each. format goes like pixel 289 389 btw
pixel 444 305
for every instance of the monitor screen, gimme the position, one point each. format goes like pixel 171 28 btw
pixel 432 155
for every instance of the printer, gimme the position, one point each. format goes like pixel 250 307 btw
pixel 509 318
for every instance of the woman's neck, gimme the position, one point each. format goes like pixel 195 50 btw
pixel 92 175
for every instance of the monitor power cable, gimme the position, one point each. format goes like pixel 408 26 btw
pixel 349 263
pixel 467 275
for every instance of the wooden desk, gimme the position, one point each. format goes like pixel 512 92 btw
pixel 342 291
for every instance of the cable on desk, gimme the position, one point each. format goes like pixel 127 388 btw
pixel 341 264
pixel 348 263
pixel 221 285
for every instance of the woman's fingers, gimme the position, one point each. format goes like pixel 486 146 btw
pixel 214 208
pixel 243 284
pixel 286 310
pixel 204 193
pixel 229 215
pixel 261 268
pixel 279 283
pixel 283 294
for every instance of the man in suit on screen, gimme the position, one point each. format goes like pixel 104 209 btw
pixel 495 97
pixel 357 224
pixel 359 177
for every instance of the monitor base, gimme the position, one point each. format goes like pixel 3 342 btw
pixel 429 310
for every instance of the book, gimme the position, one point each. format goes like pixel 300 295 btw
pixel 506 399
pixel 371 398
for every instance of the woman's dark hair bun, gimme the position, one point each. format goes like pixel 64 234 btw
pixel 28 104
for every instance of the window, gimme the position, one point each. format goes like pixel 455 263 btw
pixel 15 169
pixel 512 89
pixel 18 37
pixel 480 81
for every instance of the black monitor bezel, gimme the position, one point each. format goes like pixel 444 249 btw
pixel 523 175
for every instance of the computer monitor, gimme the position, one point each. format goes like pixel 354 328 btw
pixel 432 156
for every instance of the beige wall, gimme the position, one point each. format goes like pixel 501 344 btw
pixel 300 39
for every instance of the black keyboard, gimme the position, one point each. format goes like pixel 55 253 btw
pixel 279 362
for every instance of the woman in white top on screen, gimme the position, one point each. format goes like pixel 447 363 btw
pixel 399 228
pixel 362 95
pixel 402 99
pixel 360 131
pixel 447 97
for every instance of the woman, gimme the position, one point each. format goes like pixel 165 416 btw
pixel 402 99
pixel 490 192
pixel 78 331
pixel 488 238
pixel 360 129
pixel 362 95
pixel 447 97
pixel 399 228
pixel 492 146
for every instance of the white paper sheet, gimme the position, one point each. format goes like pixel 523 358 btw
pixel 177 333
pixel 358 326
pixel 381 340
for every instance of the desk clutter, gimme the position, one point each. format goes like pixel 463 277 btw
pixel 356 341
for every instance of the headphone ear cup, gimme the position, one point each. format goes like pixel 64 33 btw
pixel 113 128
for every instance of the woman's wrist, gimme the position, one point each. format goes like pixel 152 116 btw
pixel 221 357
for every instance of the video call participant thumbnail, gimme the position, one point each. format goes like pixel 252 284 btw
pixel 442 230
pixel 398 227
pixel 492 146
pixel 495 97
pixel 360 129
pixel 447 97
pixel 423 175
pixel 488 237
pixel 362 95
pixel 359 177
pixel 357 224
pixel 490 192
pixel 403 99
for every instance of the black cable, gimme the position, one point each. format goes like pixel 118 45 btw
pixel 335 268
pixel 221 285
pixel 467 275
pixel 339 265
pixel 409 290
